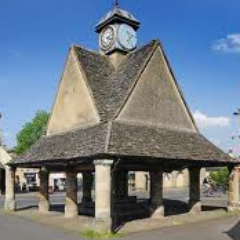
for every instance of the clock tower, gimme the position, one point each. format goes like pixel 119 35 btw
pixel 117 32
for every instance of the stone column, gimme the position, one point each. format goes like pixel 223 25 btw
pixel 43 205
pixel 10 203
pixel 1 182
pixel 157 206
pixel 87 188
pixel 103 191
pixel 233 192
pixel 195 205
pixel 121 185
pixel 71 203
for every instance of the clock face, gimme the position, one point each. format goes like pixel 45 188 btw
pixel 107 38
pixel 127 37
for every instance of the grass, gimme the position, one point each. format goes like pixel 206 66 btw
pixel 101 235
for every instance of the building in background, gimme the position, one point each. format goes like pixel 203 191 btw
pixel 174 179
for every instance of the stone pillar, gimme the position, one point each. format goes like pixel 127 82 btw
pixel 103 191
pixel 233 193
pixel 195 205
pixel 87 187
pixel 10 203
pixel 1 182
pixel 43 205
pixel 121 185
pixel 71 203
pixel 157 206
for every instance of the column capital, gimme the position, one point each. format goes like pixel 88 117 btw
pixel 10 168
pixel 105 162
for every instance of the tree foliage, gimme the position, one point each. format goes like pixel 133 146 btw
pixel 31 132
pixel 220 177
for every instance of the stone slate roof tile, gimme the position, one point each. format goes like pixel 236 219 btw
pixel 125 140
pixel 108 85
pixel 162 143
pixel 81 142
pixel 110 89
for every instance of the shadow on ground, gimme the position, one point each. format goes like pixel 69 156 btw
pixel 234 233
pixel 128 213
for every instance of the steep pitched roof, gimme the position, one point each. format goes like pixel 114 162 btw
pixel 111 88
pixel 121 139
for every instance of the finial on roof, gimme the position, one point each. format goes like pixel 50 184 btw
pixel 116 3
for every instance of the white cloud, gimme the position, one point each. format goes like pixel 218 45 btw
pixel 230 44
pixel 205 121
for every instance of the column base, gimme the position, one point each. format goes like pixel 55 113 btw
pixel 44 207
pixel 195 207
pixel 157 212
pixel 233 208
pixel 103 225
pixel 71 211
pixel 87 208
pixel 10 205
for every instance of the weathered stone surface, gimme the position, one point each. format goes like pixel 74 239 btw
pixel 233 191
pixel 103 192
pixel 157 206
pixel 43 204
pixel 71 204
pixel 10 203
pixel 195 205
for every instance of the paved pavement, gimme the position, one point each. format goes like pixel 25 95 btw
pixel 223 229
pixel 12 227
pixel 21 229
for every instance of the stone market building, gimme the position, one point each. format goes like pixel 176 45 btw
pixel 116 111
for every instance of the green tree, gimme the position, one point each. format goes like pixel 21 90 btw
pixel 31 132
pixel 220 177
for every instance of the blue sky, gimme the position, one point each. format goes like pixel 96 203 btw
pixel 200 37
